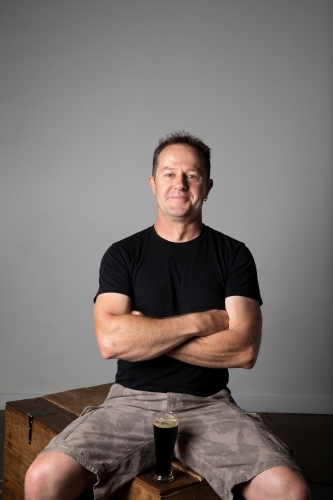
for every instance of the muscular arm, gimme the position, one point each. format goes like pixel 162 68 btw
pixel 133 337
pixel 236 347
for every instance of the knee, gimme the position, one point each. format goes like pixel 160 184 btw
pixel 36 479
pixel 292 485
pixel 32 478
pixel 274 484
pixel 301 490
pixel 54 476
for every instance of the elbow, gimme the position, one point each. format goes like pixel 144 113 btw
pixel 105 353
pixel 110 347
pixel 249 365
pixel 251 352
pixel 105 345
pixel 250 357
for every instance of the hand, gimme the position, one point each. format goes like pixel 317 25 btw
pixel 217 320
pixel 136 313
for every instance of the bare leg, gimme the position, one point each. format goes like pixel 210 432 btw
pixel 55 476
pixel 277 483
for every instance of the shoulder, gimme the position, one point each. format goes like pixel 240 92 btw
pixel 234 252
pixel 241 268
pixel 229 243
pixel 129 244
pixel 134 239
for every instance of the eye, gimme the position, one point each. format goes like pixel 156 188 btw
pixel 193 177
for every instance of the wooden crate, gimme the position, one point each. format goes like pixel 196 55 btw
pixel 188 485
pixel 31 423
pixel 50 414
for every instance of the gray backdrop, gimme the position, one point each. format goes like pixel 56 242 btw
pixel 87 89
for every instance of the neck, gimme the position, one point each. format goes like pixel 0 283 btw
pixel 178 233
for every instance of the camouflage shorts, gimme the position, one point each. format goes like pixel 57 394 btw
pixel 216 438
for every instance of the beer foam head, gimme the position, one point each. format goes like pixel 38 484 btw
pixel 165 420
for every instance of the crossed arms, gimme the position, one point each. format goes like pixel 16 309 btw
pixel 215 338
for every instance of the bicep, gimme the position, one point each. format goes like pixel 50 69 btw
pixel 244 314
pixel 111 304
pixel 109 307
pixel 246 322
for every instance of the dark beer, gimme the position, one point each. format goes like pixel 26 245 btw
pixel 165 434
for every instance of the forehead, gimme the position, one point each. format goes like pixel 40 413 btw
pixel 180 154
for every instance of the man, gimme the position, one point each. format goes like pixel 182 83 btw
pixel 178 304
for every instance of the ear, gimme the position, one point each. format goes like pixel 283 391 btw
pixel 209 186
pixel 151 182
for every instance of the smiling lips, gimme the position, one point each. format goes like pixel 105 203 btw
pixel 179 197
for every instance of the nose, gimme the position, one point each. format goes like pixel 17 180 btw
pixel 181 182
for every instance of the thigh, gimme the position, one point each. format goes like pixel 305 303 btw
pixel 101 435
pixel 228 445
pixel 114 441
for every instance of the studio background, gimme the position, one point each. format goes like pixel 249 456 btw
pixel 87 90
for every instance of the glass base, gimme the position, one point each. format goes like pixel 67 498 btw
pixel 164 479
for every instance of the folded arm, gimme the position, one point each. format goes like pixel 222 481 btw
pixel 135 337
pixel 235 347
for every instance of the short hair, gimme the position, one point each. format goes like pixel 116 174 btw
pixel 183 137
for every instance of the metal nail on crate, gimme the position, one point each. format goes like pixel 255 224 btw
pixel 31 417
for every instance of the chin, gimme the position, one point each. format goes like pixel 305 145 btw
pixel 181 215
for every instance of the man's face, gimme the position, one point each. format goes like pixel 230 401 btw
pixel 180 183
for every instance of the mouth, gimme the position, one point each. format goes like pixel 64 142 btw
pixel 179 198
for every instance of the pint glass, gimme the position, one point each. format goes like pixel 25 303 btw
pixel 165 434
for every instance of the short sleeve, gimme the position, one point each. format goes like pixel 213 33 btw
pixel 114 273
pixel 242 277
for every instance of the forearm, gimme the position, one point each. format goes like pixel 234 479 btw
pixel 136 337
pixel 225 349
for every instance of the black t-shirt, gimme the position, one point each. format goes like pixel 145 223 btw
pixel 164 279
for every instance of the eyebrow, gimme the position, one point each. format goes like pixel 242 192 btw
pixel 192 169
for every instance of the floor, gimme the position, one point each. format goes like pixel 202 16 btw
pixel 309 436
